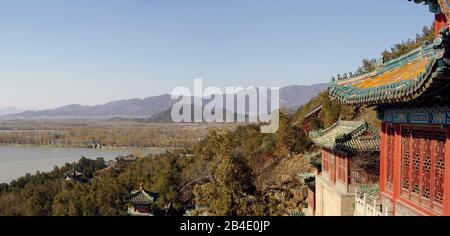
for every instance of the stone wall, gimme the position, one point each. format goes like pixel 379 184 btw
pixel 330 201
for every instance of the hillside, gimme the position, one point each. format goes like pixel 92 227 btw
pixel 332 111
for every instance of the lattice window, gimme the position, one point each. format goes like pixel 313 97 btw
pixel 390 158
pixel 415 170
pixel 357 176
pixel 426 167
pixel 423 166
pixel 406 157
pixel 341 168
pixel 364 168
pixel 332 167
pixel 338 165
pixel 325 160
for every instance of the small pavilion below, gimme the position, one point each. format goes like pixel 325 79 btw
pixel 350 161
pixel 142 202
pixel 74 175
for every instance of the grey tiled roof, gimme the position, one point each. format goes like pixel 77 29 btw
pixel 361 144
pixel 347 135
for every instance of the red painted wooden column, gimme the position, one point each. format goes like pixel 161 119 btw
pixel 439 23
pixel 333 167
pixel 383 151
pixel 397 165
pixel 347 171
pixel 447 176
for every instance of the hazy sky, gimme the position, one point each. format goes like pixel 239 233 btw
pixel 58 52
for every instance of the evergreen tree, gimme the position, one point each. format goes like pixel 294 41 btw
pixel 232 180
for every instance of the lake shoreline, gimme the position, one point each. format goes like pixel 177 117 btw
pixel 84 147
pixel 18 160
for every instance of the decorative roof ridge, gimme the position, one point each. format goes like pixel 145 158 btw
pixel 311 154
pixel 377 136
pixel 146 192
pixel 407 58
pixel 433 4
pixel 349 135
pixel 323 131
pixel 339 122
pixel 381 67
pixel 73 171
pixel 356 133
pixel 143 191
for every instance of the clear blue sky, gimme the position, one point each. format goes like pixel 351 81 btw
pixel 58 52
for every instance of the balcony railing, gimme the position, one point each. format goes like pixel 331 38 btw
pixel 367 203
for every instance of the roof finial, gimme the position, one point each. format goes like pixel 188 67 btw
pixel 141 186
pixel 444 9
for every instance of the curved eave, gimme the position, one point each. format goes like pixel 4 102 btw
pixel 400 80
pixel 362 145
pixel 393 93
pixel 357 128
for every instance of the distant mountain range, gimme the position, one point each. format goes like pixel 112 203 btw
pixel 9 110
pixel 291 97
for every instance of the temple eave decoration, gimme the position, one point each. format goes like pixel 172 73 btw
pixel 432 4
pixel 400 80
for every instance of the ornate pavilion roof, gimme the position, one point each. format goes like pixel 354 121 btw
pixel 347 135
pixel 73 172
pixel 416 74
pixel 142 197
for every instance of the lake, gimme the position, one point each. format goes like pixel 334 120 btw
pixel 16 161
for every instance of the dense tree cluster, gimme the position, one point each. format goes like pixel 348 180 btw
pixel 238 163
pixel 399 49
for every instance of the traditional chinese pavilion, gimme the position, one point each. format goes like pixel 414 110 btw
pixel 142 202
pixel 74 175
pixel 347 148
pixel 411 94
pixel 310 118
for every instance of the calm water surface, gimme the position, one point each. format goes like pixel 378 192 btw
pixel 16 161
